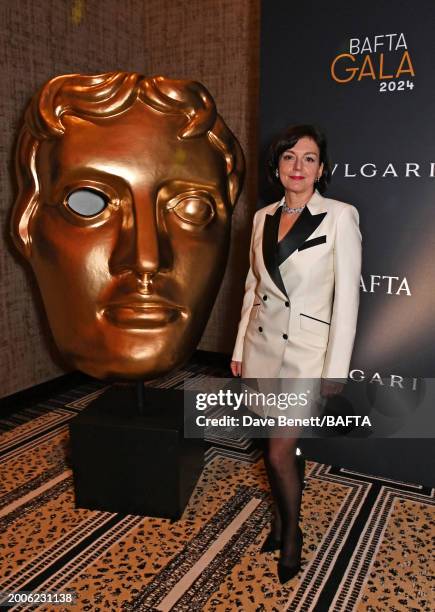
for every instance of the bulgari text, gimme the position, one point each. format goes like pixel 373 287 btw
pixel 388 380
pixel 389 170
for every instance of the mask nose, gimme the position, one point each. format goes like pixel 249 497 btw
pixel 137 248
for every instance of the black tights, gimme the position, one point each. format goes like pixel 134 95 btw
pixel 285 474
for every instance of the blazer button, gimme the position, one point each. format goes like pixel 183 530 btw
pixel 285 336
pixel 264 297
pixel 260 329
pixel 287 304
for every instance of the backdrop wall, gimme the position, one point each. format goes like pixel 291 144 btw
pixel 363 72
pixel 213 42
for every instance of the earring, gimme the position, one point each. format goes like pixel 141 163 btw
pixel 277 173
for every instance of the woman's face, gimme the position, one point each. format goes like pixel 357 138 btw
pixel 299 167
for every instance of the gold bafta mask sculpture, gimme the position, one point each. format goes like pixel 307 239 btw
pixel 126 189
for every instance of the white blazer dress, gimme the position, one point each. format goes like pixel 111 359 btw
pixel 300 307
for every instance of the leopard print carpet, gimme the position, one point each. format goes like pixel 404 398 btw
pixel 366 540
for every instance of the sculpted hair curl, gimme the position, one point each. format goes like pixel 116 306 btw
pixel 105 95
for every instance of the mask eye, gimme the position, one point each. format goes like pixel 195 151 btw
pixel 87 202
pixel 194 209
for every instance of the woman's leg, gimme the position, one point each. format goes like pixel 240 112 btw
pixel 283 469
pixel 276 521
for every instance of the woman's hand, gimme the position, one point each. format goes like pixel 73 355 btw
pixel 236 368
pixel 329 388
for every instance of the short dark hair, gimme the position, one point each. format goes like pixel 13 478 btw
pixel 287 140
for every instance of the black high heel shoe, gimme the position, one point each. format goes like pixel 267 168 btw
pixel 287 572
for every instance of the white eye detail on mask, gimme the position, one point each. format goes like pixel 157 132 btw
pixel 86 202
pixel 195 209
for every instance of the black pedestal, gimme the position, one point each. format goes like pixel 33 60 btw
pixel 130 463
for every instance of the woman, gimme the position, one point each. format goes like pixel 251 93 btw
pixel 300 308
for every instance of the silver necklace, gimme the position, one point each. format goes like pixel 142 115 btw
pixel 289 210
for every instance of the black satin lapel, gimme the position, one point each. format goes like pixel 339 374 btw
pixel 270 237
pixel 304 227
